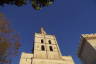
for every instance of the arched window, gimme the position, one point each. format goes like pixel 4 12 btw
pixel 49 41
pixel 50 47
pixel 42 48
pixel 42 41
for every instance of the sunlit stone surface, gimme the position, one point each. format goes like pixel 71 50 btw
pixel 87 48
pixel 46 51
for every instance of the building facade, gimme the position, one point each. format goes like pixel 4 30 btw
pixel 87 49
pixel 46 51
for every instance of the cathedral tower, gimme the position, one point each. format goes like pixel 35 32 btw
pixel 46 51
pixel 45 46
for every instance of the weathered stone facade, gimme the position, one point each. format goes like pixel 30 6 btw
pixel 46 51
pixel 87 50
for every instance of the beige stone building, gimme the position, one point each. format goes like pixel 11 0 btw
pixel 46 51
pixel 87 49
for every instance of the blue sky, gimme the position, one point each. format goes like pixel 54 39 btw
pixel 67 19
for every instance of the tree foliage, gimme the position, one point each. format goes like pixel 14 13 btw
pixel 9 41
pixel 36 4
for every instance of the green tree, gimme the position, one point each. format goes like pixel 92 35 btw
pixel 36 4
pixel 9 41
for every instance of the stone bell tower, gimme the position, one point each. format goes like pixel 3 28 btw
pixel 45 46
pixel 46 51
